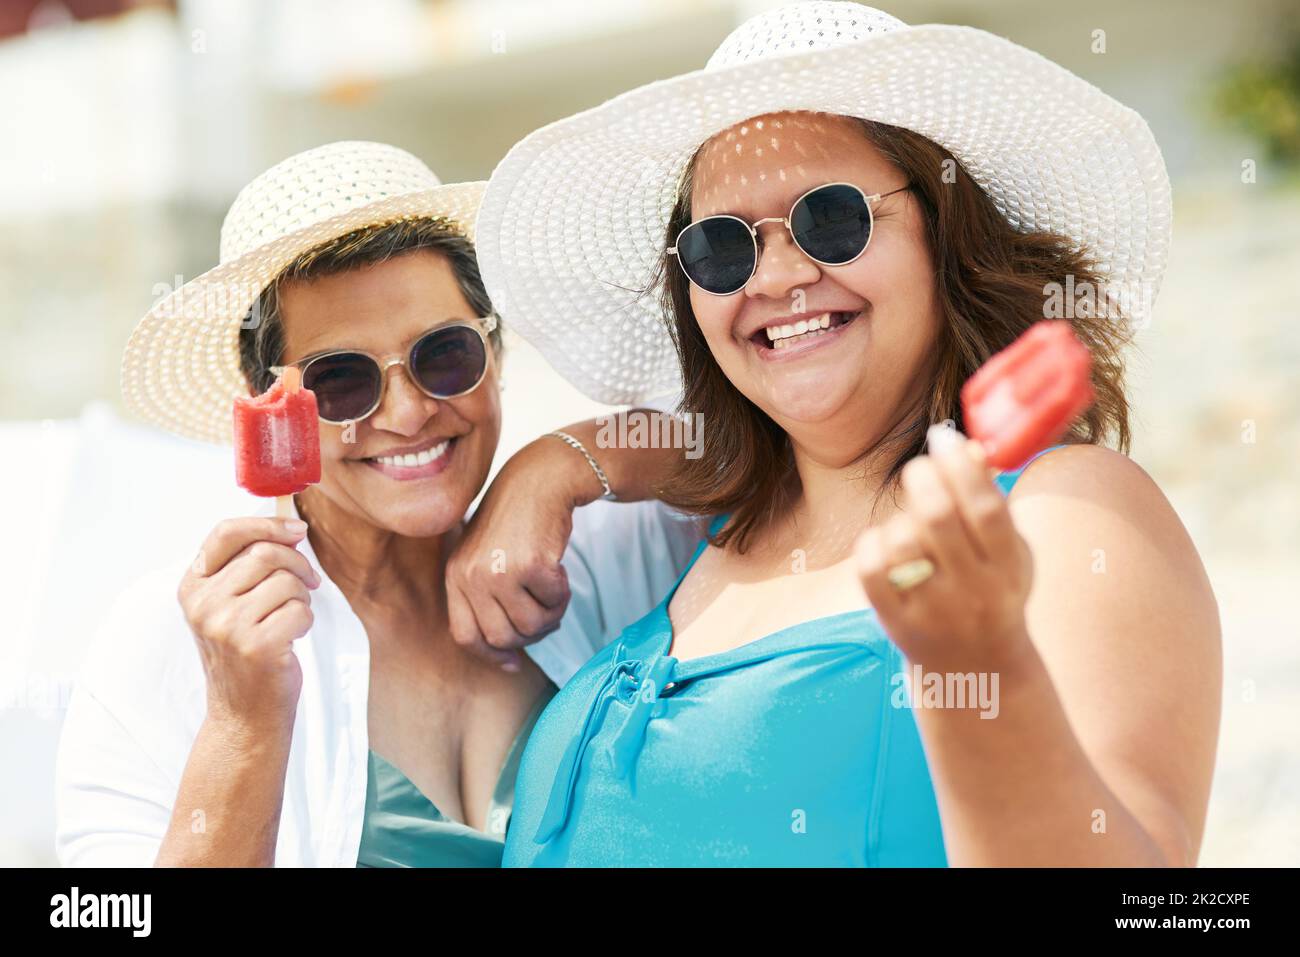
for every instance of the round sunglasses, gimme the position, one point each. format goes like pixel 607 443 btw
pixel 831 224
pixel 444 363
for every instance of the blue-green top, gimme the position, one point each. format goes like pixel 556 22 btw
pixel 792 750
pixel 404 829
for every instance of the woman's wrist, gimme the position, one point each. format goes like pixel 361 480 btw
pixel 548 465
pixel 253 735
pixel 1010 655
pixel 632 472
pixel 606 490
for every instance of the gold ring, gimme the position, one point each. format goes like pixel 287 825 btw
pixel 910 574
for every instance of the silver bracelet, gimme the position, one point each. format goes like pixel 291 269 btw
pixel 567 439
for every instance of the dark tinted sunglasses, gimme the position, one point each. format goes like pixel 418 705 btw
pixel 831 224
pixel 445 362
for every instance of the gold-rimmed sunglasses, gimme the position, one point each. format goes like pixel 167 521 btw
pixel 445 362
pixel 831 224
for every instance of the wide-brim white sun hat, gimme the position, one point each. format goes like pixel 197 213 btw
pixel 181 367
pixel 573 223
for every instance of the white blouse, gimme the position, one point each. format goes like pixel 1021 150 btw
pixel 140 696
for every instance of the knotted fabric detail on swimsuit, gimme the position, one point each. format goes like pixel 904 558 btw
pixel 637 683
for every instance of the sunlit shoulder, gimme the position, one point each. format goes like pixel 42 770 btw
pixel 1060 487
pixel 1122 613
pixel 1105 536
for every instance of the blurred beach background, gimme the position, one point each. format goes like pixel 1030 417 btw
pixel 126 128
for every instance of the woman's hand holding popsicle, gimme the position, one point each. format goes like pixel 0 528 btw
pixel 949 576
pixel 970 613
pixel 246 599
pixel 247 596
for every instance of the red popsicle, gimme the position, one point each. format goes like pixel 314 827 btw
pixel 277 441
pixel 1027 396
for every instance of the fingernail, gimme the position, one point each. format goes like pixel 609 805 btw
pixel 943 440
pixel 510 666
pixel 295 526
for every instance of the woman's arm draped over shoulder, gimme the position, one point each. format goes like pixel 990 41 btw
pixel 506 584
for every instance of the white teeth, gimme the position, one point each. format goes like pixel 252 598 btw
pixel 775 333
pixel 781 336
pixel 414 460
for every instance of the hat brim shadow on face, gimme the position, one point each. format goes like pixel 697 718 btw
pixel 181 370
pixel 572 226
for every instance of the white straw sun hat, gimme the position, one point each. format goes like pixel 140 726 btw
pixel 181 367
pixel 573 221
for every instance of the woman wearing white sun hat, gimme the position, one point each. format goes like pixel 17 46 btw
pixel 844 217
pixel 203 731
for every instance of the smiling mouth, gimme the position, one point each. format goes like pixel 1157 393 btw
pixel 413 460
pixel 776 338
pixel 412 465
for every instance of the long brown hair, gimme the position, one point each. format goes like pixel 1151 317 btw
pixel 990 281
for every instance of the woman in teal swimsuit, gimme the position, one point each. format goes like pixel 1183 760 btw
pixel 721 760
pixel 879 656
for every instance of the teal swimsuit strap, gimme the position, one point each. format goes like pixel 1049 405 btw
pixel 1007 479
